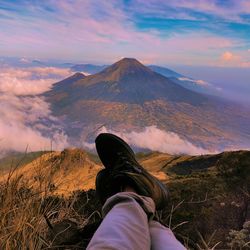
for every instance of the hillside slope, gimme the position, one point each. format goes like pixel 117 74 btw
pixel 74 169
pixel 58 172
pixel 209 197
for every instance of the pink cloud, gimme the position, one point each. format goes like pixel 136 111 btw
pixel 245 64
pixel 232 59
pixel 227 56
pixel 78 33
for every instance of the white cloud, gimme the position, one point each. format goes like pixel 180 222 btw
pixel 86 73
pixel 202 82
pixel 156 139
pixel 24 60
pixel 25 118
pixel 184 79
pixel 20 118
pixel 18 137
pixel 30 81
pixel 199 82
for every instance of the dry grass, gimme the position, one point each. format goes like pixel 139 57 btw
pixel 38 203
pixel 22 224
pixel 33 216
pixel 40 208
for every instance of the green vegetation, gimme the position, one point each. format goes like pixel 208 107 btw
pixel 213 200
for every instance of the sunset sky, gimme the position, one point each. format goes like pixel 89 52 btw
pixel 190 32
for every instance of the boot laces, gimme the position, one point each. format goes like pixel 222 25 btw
pixel 126 163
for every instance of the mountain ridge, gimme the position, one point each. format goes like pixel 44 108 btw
pixel 130 81
pixel 180 79
pixel 79 168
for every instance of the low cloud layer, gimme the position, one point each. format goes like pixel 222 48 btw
pixel 156 139
pixel 30 81
pixel 198 82
pixel 25 118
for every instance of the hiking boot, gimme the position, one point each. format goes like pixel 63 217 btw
pixel 122 170
pixel 106 186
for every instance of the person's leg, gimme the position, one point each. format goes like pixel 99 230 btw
pixel 162 238
pixel 126 226
pixel 125 223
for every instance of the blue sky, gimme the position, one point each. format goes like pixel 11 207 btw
pixel 191 32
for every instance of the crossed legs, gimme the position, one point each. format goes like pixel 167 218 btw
pixel 128 224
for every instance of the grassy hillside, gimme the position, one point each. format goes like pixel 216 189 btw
pixel 46 207
pixel 58 172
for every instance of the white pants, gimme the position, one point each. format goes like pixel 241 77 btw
pixel 128 225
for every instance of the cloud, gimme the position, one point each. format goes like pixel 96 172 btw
pixel 20 118
pixel 199 82
pixel 86 73
pixel 229 10
pixel 24 60
pixel 245 64
pixel 30 81
pixel 109 30
pixel 156 139
pixel 202 82
pixel 25 118
pixel 232 59
pixel 227 56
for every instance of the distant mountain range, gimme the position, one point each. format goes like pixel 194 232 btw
pixel 130 96
pixel 87 69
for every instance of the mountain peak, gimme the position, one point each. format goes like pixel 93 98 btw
pixel 78 75
pixel 124 68
pixel 129 62
pixel 69 81
pixel 75 77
